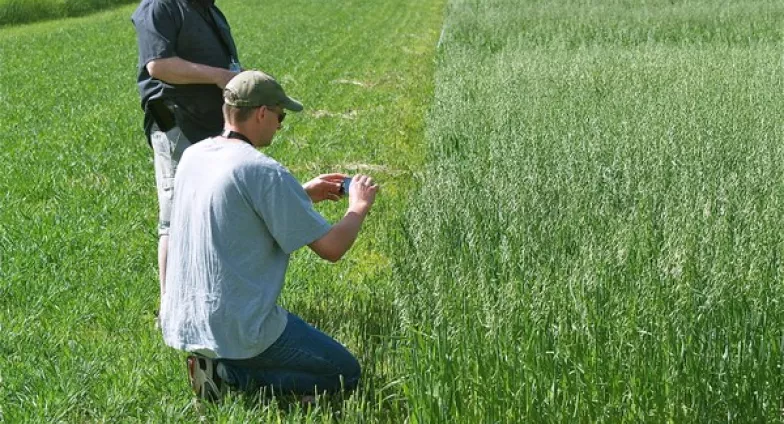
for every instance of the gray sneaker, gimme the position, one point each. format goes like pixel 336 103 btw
pixel 204 379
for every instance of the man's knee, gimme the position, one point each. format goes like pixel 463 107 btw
pixel 351 374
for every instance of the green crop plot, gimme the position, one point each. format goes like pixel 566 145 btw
pixel 598 235
pixel 580 217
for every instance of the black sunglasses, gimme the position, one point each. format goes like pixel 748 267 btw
pixel 281 114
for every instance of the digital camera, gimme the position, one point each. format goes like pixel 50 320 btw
pixel 346 184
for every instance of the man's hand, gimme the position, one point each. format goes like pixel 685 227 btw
pixel 223 76
pixel 362 194
pixel 324 187
pixel 333 245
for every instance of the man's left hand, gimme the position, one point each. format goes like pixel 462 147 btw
pixel 324 187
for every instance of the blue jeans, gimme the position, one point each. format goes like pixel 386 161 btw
pixel 302 361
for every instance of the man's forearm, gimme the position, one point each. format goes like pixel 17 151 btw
pixel 175 70
pixel 333 245
pixel 348 230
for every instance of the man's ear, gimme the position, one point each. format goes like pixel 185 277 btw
pixel 260 114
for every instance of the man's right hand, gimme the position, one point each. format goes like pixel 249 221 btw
pixel 362 194
pixel 223 77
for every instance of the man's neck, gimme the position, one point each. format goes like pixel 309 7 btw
pixel 234 133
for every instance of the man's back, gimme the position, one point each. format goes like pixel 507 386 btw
pixel 238 215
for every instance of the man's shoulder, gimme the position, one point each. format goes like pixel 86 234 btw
pixel 237 155
pixel 254 166
pixel 264 164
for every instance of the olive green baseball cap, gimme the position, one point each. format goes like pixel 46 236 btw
pixel 254 89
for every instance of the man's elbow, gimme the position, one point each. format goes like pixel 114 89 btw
pixel 156 68
pixel 152 68
pixel 327 250
pixel 331 256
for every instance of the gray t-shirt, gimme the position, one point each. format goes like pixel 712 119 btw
pixel 237 216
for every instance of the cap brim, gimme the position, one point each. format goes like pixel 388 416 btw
pixel 292 105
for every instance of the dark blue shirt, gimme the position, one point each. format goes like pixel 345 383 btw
pixel 193 32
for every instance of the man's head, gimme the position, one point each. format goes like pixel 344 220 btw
pixel 255 100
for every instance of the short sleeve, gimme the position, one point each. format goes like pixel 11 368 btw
pixel 288 212
pixel 157 24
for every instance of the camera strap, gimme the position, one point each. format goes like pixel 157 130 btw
pixel 235 135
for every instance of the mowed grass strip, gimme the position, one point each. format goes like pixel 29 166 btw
pixel 598 233
pixel 77 223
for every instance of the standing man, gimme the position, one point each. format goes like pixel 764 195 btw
pixel 186 57
pixel 238 215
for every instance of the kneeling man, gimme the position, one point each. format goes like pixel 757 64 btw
pixel 237 216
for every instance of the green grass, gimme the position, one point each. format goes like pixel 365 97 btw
pixel 14 12
pixel 598 234
pixel 77 223
pixel 579 221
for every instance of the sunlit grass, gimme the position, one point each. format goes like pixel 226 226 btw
pixel 77 223
pixel 593 232
pixel 14 12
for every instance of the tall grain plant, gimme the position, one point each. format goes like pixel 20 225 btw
pixel 597 236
